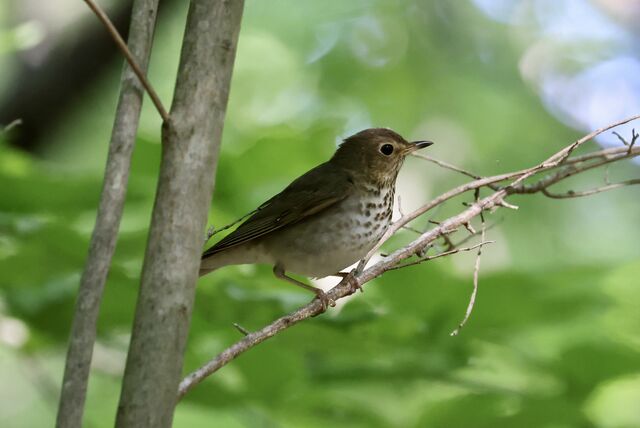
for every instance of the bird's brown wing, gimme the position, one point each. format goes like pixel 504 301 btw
pixel 310 194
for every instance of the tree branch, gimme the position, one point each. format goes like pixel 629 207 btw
pixel 362 276
pixel 574 194
pixel 476 274
pixel 443 254
pixel 446 165
pixel 104 236
pixel 139 72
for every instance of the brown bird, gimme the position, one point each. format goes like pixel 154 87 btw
pixel 326 219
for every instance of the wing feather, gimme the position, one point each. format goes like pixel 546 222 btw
pixel 298 201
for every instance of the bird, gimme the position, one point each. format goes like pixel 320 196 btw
pixel 325 220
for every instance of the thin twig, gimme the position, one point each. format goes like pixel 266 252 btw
pixel 400 210
pixel 572 168
pixel 505 204
pixel 115 35
pixel 443 254
pixel 446 165
pixel 634 138
pixel 621 138
pixel 470 237
pixel 476 274
pixel 213 231
pixel 412 229
pixel 611 153
pixel 470 228
pixel 447 240
pixel 241 329
pixel 574 194
pixel 13 124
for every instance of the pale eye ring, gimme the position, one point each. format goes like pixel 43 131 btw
pixel 386 149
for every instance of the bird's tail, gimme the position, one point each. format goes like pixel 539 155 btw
pixel 205 269
pixel 239 255
pixel 213 261
pixel 209 264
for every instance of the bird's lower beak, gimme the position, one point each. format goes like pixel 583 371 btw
pixel 417 145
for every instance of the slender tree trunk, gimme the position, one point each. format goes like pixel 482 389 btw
pixel 103 239
pixel 190 144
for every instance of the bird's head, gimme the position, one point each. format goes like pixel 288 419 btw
pixel 375 154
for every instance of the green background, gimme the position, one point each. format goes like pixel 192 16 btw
pixel 553 340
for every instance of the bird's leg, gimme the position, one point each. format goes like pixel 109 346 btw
pixel 351 278
pixel 278 271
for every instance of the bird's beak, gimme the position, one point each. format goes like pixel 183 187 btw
pixel 417 145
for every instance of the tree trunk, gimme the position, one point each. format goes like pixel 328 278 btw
pixel 190 144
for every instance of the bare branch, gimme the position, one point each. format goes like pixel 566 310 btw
pixel 447 240
pixel 400 210
pixel 13 124
pixel 443 254
pixel 634 138
pixel 476 274
pixel 241 329
pixel 572 168
pixel 446 165
pixel 470 237
pixel 607 154
pixel 412 229
pixel 362 275
pixel 574 194
pixel 129 57
pixel 506 204
pixel 622 140
pixel 213 231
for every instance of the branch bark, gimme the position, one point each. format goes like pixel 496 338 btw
pixel 190 144
pixel 495 200
pixel 103 239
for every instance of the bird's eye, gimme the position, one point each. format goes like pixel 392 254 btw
pixel 386 149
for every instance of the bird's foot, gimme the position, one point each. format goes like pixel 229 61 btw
pixel 278 270
pixel 324 299
pixel 354 284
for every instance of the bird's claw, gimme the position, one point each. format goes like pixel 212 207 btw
pixel 354 284
pixel 325 300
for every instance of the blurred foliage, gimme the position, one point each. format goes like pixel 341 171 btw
pixel 553 340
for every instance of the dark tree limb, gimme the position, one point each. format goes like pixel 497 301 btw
pixel 103 239
pixel 190 145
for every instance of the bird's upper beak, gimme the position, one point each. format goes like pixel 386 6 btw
pixel 417 145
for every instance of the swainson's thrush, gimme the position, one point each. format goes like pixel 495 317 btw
pixel 326 219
